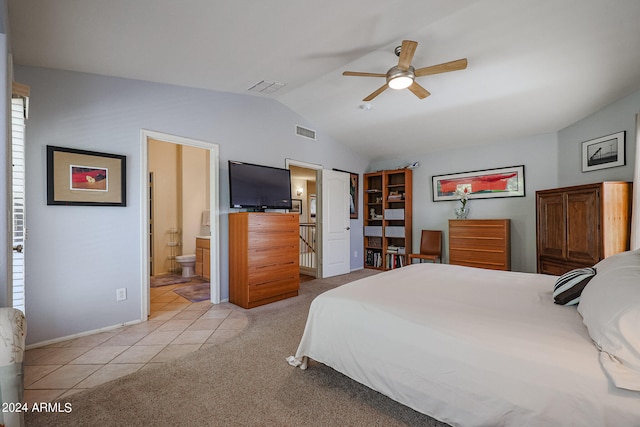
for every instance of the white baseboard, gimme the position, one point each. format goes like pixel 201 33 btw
pixel 81 334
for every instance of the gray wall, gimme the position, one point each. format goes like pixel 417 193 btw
pixel 78 256
pixel 537 154
pixel 616 117
pixel 551 160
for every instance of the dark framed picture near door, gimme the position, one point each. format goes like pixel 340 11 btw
pixel 85 178
pixel 353 193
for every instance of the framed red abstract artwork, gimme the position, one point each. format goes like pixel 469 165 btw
pixel 480 184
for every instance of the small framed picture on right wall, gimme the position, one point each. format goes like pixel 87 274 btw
pixel 604 152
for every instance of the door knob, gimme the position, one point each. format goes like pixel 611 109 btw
pixel 18 248
pixel 347 228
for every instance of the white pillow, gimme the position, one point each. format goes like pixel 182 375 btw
pixel 617 260
pixel 610 308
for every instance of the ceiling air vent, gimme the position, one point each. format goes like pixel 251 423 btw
pixel 305 133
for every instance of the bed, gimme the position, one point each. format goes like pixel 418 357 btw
pixel 475 347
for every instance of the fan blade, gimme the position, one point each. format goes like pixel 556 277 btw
pixel 359 74
pixel 419 91
pixel 376 93
pixel 406 54
pixel 459 64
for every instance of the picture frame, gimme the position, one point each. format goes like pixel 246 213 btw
pixel 85 178
pixel 296 206
pixel 604 152
pixel 480 184
pixel 353 192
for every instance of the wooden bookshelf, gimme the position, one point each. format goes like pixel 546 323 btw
pixel 388 218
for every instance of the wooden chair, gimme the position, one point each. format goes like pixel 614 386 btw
pixel 430 247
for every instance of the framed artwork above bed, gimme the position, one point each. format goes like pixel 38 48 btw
pixel 480 184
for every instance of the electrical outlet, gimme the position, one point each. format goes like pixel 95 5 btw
pixel 121 294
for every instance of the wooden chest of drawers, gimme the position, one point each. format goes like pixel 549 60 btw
pixel 263 257
pixel 483 243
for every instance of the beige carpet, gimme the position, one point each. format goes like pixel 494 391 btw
pixel 243 382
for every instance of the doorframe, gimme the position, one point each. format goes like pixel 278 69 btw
pixel 214 208
pixel 318 168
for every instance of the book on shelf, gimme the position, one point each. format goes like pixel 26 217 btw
pixel 395 249
pixel 373 259
pixel 394 261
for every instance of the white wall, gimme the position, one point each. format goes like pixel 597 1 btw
pixel 79 256
pixel 537 154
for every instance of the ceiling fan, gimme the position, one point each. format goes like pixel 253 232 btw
pixel 402 76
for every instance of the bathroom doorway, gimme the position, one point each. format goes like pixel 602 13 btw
pixel 179 205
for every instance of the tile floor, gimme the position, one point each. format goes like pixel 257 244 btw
pixel 176 327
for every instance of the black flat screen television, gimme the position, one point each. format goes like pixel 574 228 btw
pixel 259 187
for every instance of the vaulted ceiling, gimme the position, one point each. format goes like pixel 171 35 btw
pixel 534 66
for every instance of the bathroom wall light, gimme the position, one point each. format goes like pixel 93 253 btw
pixel 299 191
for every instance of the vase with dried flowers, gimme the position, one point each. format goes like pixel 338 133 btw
pixel 462 192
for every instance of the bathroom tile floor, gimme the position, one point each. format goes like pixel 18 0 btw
pixel 176 327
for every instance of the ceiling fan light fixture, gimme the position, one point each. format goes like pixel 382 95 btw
pixel 400 82
pixel 400 79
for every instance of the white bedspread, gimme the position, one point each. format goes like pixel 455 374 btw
pixel 470 347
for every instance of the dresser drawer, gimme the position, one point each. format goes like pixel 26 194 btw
pixel 271 240
pixel 478 258
pixel 270 272
pixel 268 256
pixel 488 243
pixel 273 288
pixel 559 267
pixel 271 222
pixel 476 231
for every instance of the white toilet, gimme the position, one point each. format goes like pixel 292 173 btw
pixel 188 263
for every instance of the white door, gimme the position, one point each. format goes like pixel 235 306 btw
pixel 335 205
